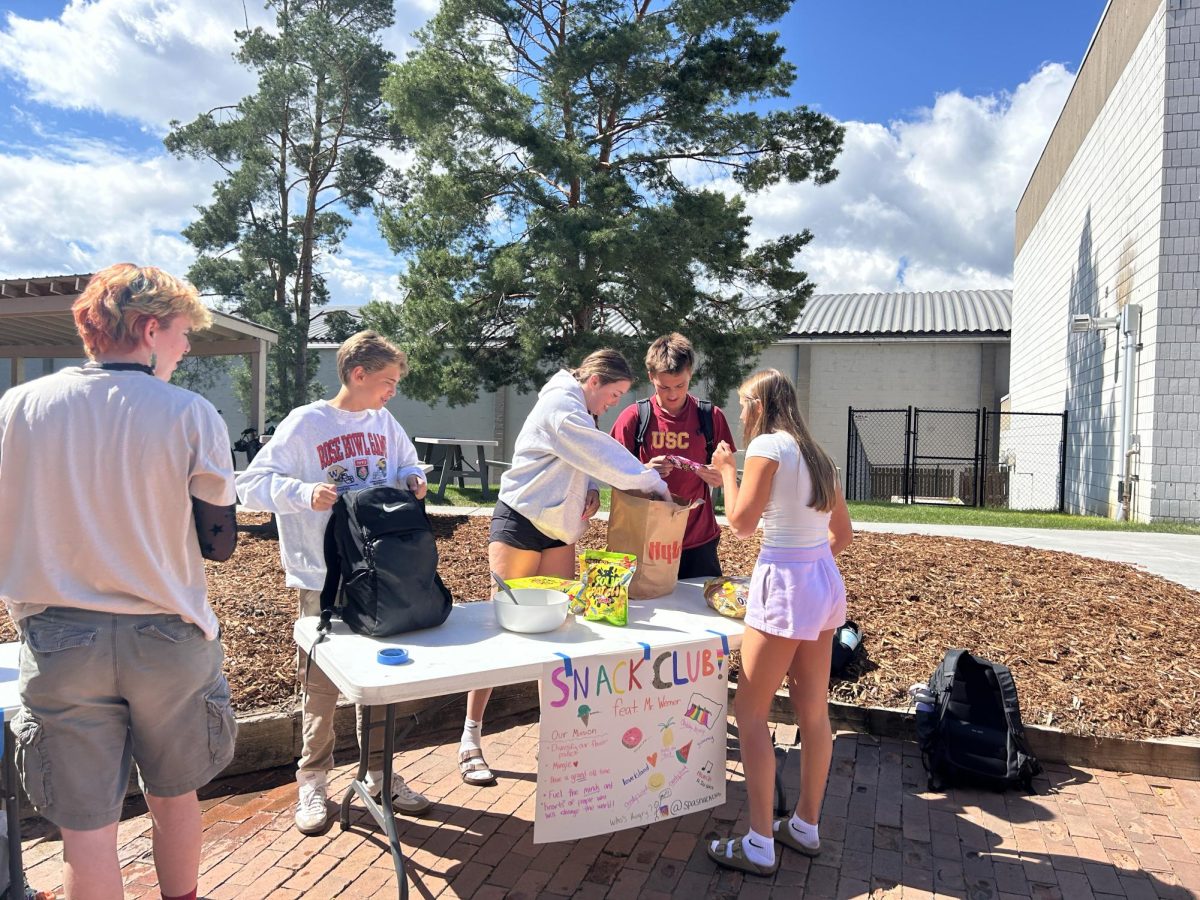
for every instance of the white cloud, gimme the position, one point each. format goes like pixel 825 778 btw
pixel 84 204
pixel 357 275
pixel 75 203
pixel 149 60
pixel 930 199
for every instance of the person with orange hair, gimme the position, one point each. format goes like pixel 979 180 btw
pixel 114 485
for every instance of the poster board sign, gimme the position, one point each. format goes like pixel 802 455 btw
pixel 629 739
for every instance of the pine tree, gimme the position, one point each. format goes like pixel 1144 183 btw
pixel 578 181
pixel 298 157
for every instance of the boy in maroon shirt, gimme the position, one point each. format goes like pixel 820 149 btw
pixel 674 443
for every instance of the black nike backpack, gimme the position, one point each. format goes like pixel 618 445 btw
pixel 972 733
pixel 381 565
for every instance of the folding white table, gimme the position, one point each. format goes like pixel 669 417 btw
pixel 10 702
pixel 472 651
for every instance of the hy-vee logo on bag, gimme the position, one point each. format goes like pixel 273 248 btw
pixel 666 552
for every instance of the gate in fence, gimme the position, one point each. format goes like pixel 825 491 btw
pixel 963 457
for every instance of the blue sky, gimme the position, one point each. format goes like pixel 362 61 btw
pixel 947 106
pixel 879 60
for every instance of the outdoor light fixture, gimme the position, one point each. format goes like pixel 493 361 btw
pixel 1093 323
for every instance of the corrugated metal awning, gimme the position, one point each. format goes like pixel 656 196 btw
pixel 36 321
pixel 898 314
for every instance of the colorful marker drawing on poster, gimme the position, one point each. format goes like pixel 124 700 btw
pixel 629 739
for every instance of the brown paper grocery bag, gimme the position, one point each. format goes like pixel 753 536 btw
pixel 652 530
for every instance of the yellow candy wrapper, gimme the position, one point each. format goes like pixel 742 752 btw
pixel 605 593
pixel 570 588
pixel 728 595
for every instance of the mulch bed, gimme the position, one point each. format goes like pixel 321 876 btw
pixel 1096 648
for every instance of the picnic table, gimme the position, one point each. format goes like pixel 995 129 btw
pixel 472 651
pixel 445 454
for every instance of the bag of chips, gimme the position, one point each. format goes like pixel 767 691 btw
pixel 605 593
pixel 728 595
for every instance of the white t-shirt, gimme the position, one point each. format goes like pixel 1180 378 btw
pixel 97 471
pixel 788 520
pixel 318 444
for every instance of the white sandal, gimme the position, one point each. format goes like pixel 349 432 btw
pixel 474 768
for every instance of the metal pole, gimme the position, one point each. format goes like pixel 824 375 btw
pixel 850 494
pixel 1062 465
pixel 12 810
pixel 1130 323
pixel 910 441
pixel 978 465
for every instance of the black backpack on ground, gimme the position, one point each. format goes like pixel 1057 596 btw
pixel 380 552
pixel 706 425
pixel 972 732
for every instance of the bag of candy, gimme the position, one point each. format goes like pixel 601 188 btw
pixel 728 595
pixel 605 593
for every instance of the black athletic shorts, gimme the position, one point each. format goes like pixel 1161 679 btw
pixel 511 528
pixel 700 562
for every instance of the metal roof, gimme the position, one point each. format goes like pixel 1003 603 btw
pixel 318 326
pixel 36 321
pixel 924 313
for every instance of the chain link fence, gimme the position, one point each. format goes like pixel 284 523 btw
pixel 962 457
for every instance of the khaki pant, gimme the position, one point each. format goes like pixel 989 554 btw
pixel 319 698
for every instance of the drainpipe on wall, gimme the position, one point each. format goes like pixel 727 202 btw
pixel 1131 320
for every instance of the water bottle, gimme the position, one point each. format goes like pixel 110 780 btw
pixel 922 697
pixel 848 636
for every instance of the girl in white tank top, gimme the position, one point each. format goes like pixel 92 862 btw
pixel 797 599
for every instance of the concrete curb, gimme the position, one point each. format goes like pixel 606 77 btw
pixel 1166 757
pixel 268 740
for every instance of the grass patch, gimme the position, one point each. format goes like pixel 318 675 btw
pixel 1002 518
pixel 898 512
pixel 473 496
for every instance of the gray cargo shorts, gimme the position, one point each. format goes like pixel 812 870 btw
pixel 100 691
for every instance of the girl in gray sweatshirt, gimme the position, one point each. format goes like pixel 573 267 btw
pixel 560 456
pixel 550 493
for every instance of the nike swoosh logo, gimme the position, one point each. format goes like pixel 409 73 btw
pixel 393 507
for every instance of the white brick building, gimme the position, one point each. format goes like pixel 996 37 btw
pixel 1111 216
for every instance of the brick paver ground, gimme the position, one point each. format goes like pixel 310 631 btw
pixel 1086 834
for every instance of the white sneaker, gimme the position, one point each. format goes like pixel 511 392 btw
pixel 312 811
pixel 404 799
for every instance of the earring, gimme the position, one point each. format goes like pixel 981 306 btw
pixel 153 360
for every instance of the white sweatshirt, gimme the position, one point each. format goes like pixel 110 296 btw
pixel 559 455
pixel 318 444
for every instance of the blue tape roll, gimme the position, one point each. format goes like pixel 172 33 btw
pixel 392 656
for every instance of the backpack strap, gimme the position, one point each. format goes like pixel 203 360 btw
pixel 643 425
pixel 1027 763
pixel 940 685
pixel 333 575
pixel 706 428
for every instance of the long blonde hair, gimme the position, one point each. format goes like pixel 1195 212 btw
pixel 774 408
